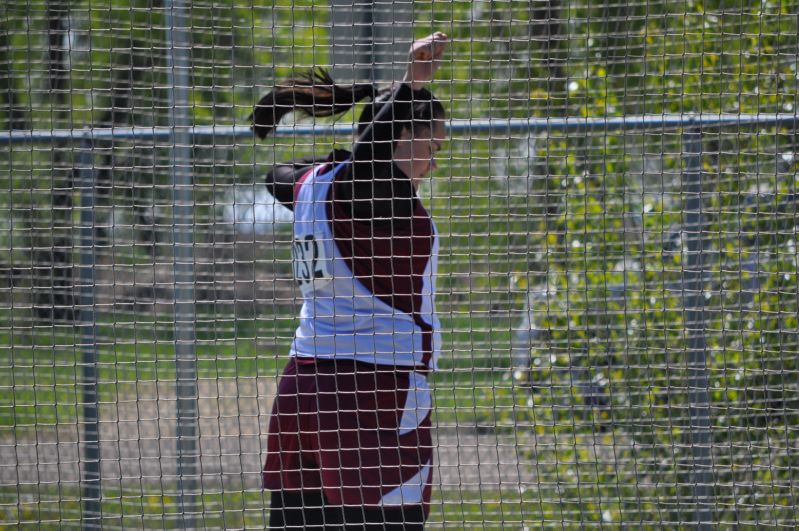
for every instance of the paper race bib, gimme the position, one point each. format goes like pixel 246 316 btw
pixel 311 265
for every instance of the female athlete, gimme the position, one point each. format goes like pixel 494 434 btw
pixel 349 443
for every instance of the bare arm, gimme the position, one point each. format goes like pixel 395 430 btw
pixel 376 187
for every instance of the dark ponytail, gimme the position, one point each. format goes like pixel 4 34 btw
pixel 425 109
pixel 314 93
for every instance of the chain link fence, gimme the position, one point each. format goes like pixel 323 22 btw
pixel 618 281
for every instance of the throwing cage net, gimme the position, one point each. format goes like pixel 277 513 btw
pixel 618 268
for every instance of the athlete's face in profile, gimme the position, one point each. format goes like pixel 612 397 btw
pixel 415 152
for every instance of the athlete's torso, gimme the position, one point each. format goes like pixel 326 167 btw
pixel 368 286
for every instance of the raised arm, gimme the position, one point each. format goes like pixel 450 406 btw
pixel 373 187
pixel 379 189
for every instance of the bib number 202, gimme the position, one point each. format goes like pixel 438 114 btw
pixel 310 264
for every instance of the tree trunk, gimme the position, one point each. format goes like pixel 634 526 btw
pixel 10 112
pixel 545 31
pixel 52 277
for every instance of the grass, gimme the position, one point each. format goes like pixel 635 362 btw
pixel 34 506
pixel 41 367
pixel 538 505
pixel 40 371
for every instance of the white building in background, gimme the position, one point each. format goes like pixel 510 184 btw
pixel 252 210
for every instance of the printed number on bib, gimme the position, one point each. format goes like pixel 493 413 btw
pixel 310 263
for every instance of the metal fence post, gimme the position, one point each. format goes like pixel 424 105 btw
pixel 90 426
pixel 369 39
pixel 700 429
pixel 183 260
pixel 392 34
pixel 350 39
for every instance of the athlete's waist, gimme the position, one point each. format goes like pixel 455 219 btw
pixel 360 364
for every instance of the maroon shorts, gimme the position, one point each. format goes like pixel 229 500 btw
pixel 359 432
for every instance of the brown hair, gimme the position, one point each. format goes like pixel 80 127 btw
pixel 314 93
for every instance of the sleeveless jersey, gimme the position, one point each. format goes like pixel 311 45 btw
pixel 367 296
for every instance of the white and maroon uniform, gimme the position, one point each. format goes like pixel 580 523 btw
pixel 366 296
pixel 352 416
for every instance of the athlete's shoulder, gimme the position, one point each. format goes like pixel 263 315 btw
pixel 334 160
pixel 339 155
